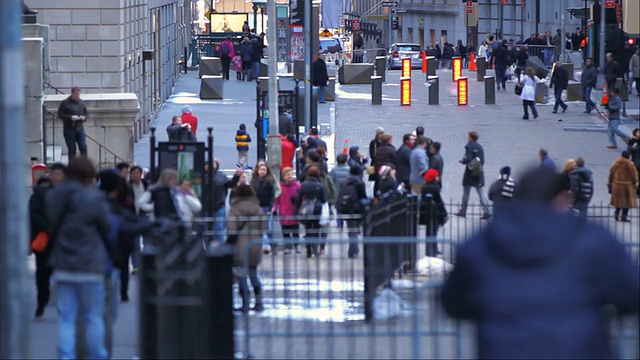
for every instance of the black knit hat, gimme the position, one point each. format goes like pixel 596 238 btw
pixel 505 171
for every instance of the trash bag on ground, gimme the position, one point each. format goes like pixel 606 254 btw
pixel 387 305
pixel 433 266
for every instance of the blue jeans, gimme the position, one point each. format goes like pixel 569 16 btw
pixel 255 69
pixel 613 130
pixel 88 299
pixel 501 76
pixel 321 92
pixel 219 224
pixel 586 93
pixel 71 137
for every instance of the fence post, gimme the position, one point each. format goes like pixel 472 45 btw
pixel 148 309
pixel 218 305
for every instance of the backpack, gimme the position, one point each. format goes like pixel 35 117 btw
pixel 348 201
pixel 225 49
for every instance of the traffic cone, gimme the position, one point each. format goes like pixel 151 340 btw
pixel 605 95
pixel 345 148
pixel 472 62
pixel 424 62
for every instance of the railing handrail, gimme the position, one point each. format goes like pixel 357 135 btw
pixel 57 90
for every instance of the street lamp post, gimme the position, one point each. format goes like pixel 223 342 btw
pixel 255 16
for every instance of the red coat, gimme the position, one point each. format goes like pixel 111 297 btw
pixel 189 118
pixel 288 152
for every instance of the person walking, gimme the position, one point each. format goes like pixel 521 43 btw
pixel 243 139
pixel 385 155
pixel 373 150
pixel 219 191
pixel 538 266
pixel 227 52
pixel 311 198
pixel 188 118
pixel 358 48
pixel 78 219
pixel 501 191
pixel 433 213
pixel 545 159
pixel 588 82
pixel 419 165
pixel 614 106
pixel 448 53
pixel 320 77
pixel 256 55
pixel 634 70
pixel 520 60
pixel 500 59
pixel 581 187
pixel 138 186
pixel 338 175
pixel 264 185
pixel 473 161
pixel 285 208
pixel 436 161
pixel 245 225
pixel 39 227
pixel 403 160
pixel 73 113
pixel 623 184
pixel 246 52
pixel 559 79
pixel 351 198
pixel 612 71
pixel 288 150
pixel 528 94
pixel 633 146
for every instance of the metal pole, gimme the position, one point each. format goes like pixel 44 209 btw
pixel 272 26
pixel 307 63
pixel 255 17
pixel 500 21
pixel 390 26
pixel 14 283
pixel 562 41
pixel 602 32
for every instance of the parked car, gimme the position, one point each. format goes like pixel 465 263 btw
pixel 397 52
pixel 335 53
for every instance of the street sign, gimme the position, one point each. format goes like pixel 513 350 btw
pixel 390 4
pixel 610 4
pixel 355 25
pixel 469 7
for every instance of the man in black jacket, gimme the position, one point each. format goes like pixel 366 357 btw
pixel 436 161
pixel 581 187
pixel 612 71
pixel 473 162
pixel 500 58
pixel 559 79
pixel 178 131
pixel 73 113
pixel 319 76
pixel 258 45
pixel 403 161
pixel 588 81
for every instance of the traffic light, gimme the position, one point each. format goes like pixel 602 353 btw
pixel 395 24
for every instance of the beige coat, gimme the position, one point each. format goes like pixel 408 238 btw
pixel 247 221
pixel 623 179
pixel 634 66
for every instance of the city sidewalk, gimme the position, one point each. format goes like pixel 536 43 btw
pixel 506 137
pixel 239 106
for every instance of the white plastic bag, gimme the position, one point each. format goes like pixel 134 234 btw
pixel 433 266
pixel 387 305
pixel 325 215
pixel 266 247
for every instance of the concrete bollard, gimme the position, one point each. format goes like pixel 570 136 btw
pixel 431 66
pixel 434 90
pixel 481 64
pixel 330 91
pixel 376 90
pixel 489 90
pixel 211 87
pixel 381 67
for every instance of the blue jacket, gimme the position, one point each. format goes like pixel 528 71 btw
pixel 546 161
pixel 419 164
pixel 535 281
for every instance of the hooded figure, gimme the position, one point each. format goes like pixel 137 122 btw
pixel 355 160
pixel 536 278
pixel 501 191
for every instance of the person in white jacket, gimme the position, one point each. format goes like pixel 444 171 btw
pixel 528 95
pixel 482 50
pixel 188 202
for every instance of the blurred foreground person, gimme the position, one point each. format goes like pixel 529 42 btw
pixel 78 218
pixel 536 278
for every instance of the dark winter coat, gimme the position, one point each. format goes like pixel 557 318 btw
pixel 560 78
pixel 634 148
pixel 78 246
pixel 246 51
pixel 257 45
pixel 500 56
pixel 612 71
pixel 386 155
pixel 221 185
pixel 403 163
pixel 387 184
pixel 265 191
pixel 501 191
pixel 250 233
pixel 68 108
pixel 373 150
pixel 581 186
pixel 355 160
pixel 319 75
pixel 520 59
pixel 589 76
pixel 37 210
pixel 472 149
pixel 448 52
pixel 623 178
pixel 432 210
pixel 437 162
pixel 313 190
pixel 535 282
pixel 176 132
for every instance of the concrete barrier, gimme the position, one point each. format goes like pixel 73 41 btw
pixel 542 93
pixel 574 91
pixel 211 87
pixel 355 73
pixel 376 90
pixel 434 90
pixel 489 90
pixel 330 91
pixel 481 65
pixel 381 67
pixel 263 82
pixel 431 66
pixel 210 66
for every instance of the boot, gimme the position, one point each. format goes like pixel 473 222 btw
pixel 245 304
pixel 258 307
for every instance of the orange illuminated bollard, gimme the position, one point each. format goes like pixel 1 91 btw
pixel 472 62
pixel 457 68
pixel 424 62
pixel 463 91
pixel 406 67
pixel 345 148
pixel 405 91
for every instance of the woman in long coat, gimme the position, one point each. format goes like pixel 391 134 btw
pixel 623 181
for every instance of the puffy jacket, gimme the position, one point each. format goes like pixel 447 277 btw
pixel 501 191
pixel 242 140
pixel 246 51
pixel 189 118
pixel 550 274
pixel 288 153
pixel 78 246
pixel 338 175
pixel 285 204
pixel 581 185
pixel 160 201
pixel 248 231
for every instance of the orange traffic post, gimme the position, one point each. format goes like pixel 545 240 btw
pixel 457 68
pixel 472 62
pixel 463 91
pixel 406 67
pixel 405 91
pixel 605 95
pixel 345 148
pixel 424 62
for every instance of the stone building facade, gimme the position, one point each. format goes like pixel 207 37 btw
pixel 99 45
